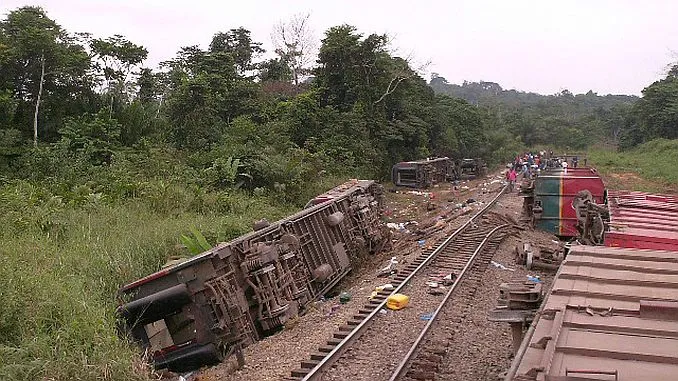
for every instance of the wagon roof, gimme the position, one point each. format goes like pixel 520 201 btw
pixel 644 220
pixel 610 310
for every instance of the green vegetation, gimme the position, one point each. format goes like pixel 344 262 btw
pixel 561 120
pixel 65 254
pixel 656 114
pixel 649 167
pixel 108 168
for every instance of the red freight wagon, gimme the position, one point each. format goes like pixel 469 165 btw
pixel 642 220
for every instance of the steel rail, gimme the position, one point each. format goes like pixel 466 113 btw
pixel 402 367
pixel 332 356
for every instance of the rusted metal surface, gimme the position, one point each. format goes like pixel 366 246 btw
pixel 210 306
pixel 471 168
pixel 642 220
pixel 423 173
pixel 611 314
pixel 428 172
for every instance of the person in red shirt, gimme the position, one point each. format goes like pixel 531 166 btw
pixel 511 176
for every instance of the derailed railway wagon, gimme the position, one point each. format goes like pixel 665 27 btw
pixel 423 173
pixel 204 309
pixel 471 168
pixel 612 311
pixel 428 172
pixel 555 202
pixel 642 220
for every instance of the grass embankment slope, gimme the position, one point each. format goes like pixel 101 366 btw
pixel 650 167
pixel 66 250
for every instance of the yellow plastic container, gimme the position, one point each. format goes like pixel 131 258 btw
pixel 397 301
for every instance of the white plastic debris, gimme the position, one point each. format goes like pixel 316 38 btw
pixel 500 266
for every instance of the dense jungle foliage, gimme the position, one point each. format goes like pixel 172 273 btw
pixel 577 121
pixel 105 163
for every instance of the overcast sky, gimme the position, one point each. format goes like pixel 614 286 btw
pixel 616 47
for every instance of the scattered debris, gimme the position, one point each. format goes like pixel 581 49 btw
pixel 344 297
pixel 544 257
pixel 449 279
pixel 500 266
pixel 397 301
pixel 419 193
pixel 534 278
pixel 441 280
pixel 426 317
pixel 384 287
pixel 389 269
pixel 333 310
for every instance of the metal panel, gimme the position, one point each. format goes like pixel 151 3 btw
pixel 610 315
pixel 642 220
pixel 556 189
pixel 423 173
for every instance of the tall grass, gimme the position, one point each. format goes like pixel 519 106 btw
pixel 73 233
pixel 60 267
pixel 655 163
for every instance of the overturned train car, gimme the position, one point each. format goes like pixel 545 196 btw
pixel 423 173
pixel 204 309
pixel 554 200
pixel 471 168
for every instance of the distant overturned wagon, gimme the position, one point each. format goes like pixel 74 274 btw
pixel 200 311
pixel 471 168
pixel 423 173
pixel 427 172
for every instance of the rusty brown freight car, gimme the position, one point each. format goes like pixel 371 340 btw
pixel 612 314
pixel 423 173
pixel 199 311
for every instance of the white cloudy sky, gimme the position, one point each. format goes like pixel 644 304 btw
pixel 609 46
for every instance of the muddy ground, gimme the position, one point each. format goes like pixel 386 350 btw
pixel 417 220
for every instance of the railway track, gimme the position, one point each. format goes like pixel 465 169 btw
pixel 406 343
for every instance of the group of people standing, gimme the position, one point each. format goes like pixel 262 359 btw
pixel 530 163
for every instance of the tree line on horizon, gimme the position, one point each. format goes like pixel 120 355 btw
pixel 577 121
